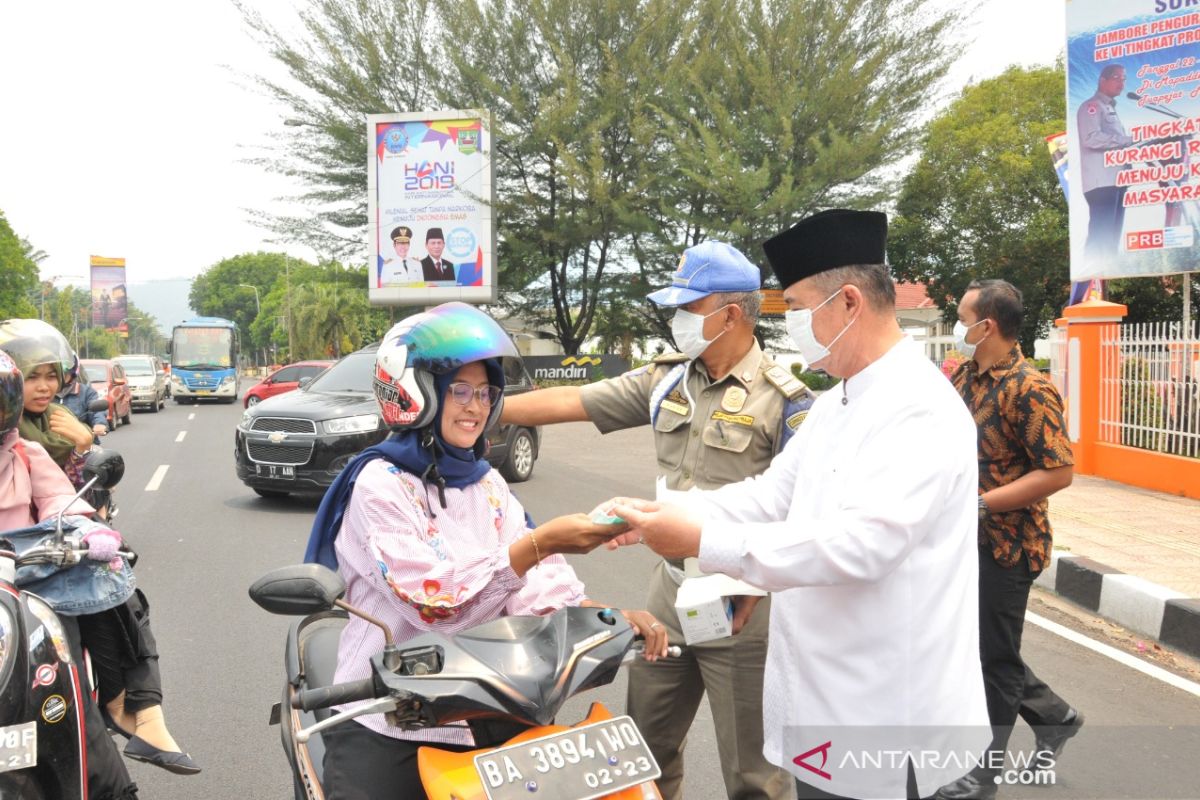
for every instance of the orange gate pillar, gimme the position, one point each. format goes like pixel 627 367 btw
pixel 1088 325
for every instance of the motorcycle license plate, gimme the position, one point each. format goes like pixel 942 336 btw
pixel 274 471
pixel 579 764
pixel 18 746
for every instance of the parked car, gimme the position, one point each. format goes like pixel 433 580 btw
pixel 284 379
pixel 299 442
pixel 147 381
pixel 108 379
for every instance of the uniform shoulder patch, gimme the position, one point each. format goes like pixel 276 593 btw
pixel 670 358
pixel 794 420
pixel 785 382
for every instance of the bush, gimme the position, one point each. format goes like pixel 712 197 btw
pixel 816 380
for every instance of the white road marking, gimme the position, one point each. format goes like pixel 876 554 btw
pixel 1116 655
pixel 182 434
pixel 157 479
pixel 192 415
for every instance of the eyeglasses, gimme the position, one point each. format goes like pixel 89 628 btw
pixel 463 392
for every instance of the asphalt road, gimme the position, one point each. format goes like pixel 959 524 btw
pixel 204 537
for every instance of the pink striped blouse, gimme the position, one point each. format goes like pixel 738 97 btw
pixel 445 572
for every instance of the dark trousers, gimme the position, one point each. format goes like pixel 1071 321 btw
pixel 806 792
pixel 1010 686
pixel 124 653
pixel 1106 220
pixel 361 764
pixel 107 777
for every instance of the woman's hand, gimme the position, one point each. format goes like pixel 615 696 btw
pixel 64 423
pixel 654 632
pixel 574 533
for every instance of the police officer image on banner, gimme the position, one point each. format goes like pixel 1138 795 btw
pixel 1100 130
pixel 402 268
pixel 434 267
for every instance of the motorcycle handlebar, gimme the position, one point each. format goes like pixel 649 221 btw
pixel 336 695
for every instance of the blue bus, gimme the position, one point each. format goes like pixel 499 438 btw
pixel 204 359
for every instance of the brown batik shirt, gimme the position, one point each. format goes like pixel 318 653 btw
pixel 1019 415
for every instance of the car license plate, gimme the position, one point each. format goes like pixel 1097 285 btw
pixel 274 471
pixel 203 391
pixel 18 746
pixel 579 764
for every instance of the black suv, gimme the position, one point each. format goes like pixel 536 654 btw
pixel 300 441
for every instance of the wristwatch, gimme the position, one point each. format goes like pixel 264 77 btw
pixel 984 509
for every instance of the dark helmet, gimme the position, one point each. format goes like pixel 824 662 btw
pixel 12 394
pixel 429 344
pixel 32 343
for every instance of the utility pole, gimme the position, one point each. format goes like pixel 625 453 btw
pixel 287 276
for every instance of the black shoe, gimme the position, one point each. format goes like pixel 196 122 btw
pixel 968 787
pixel 180 763
pixel 1053 738
pixel 111 724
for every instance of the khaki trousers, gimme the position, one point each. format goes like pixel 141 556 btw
pixel 664 696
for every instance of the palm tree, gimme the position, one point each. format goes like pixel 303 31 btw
pixel 328 318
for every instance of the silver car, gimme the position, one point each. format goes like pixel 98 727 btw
pixel 147 381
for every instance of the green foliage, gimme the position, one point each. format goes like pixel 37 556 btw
pixel 984 202
pixel 1153 299
pixel 18 275
pixel 624 130
pixel 817 381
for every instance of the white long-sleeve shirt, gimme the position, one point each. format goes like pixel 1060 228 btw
pixel 864 527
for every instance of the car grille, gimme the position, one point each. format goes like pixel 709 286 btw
pixel 283 425
pixel 293 453
pixel 201 382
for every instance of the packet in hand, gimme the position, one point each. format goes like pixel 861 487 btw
pixel 600 516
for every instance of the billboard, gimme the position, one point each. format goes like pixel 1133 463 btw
pixel 429 195
pixel 1080 290
pixel 109 300
pixel 1133 118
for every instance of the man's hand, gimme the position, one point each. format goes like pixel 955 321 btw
pixel 743 607
pixel 668 530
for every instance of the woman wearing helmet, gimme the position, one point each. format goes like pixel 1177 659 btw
pixel 122 645
pixel 427 534
pixel 34 489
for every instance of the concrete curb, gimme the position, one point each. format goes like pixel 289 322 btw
pixel 1163 614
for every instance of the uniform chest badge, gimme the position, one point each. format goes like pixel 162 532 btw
pixel 734 399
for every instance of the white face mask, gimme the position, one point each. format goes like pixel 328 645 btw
pixel 800 328
pixel 688 330
pixel 960 338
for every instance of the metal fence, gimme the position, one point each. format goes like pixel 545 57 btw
pixel 1150 387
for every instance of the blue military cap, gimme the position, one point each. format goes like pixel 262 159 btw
pixel 705 269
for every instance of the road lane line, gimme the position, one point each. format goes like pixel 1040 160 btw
pixel 1116 655
pixel 182 434
pixel 192 415
pixel 157 478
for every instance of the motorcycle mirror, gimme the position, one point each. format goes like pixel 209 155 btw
pixel 99 404
pixel 106 466
pixel 298 589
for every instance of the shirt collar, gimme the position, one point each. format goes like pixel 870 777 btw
pixel 744 371
pixel 860 384
pixel 1006 364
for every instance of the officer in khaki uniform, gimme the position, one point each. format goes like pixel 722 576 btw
pixel 720 411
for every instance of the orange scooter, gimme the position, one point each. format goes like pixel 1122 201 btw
pixel 514 671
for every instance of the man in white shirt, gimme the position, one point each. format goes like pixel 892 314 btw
pixel 864 527
pixel 403 269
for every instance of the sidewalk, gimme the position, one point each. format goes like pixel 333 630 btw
pixel 1131 555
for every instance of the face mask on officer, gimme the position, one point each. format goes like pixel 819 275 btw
pixel 688 330
pixel 960 338
pixel 799 324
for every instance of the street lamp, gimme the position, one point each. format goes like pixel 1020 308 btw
pixel 255 288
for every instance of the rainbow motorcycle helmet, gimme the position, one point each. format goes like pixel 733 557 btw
pixel 31 343
pixel 12 394
pixel 436 342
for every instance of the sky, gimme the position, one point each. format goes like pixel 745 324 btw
pixel 124 126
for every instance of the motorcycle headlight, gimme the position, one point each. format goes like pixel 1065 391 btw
pixel 54 629
pixel 357 424
pixel 8 637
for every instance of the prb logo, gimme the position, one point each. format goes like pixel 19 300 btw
pixel 1144 240
pixel 823 749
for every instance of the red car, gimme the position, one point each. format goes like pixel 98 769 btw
pixel 285 379
pixel 108 379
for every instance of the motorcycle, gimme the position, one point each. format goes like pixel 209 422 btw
pixel 43 677
pixel 514 671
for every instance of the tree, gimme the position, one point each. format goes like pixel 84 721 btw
pixel 328 321
pixel 984 202
pixel 18 275
pixel 218 291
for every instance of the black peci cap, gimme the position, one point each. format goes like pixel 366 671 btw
pixel 827 240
